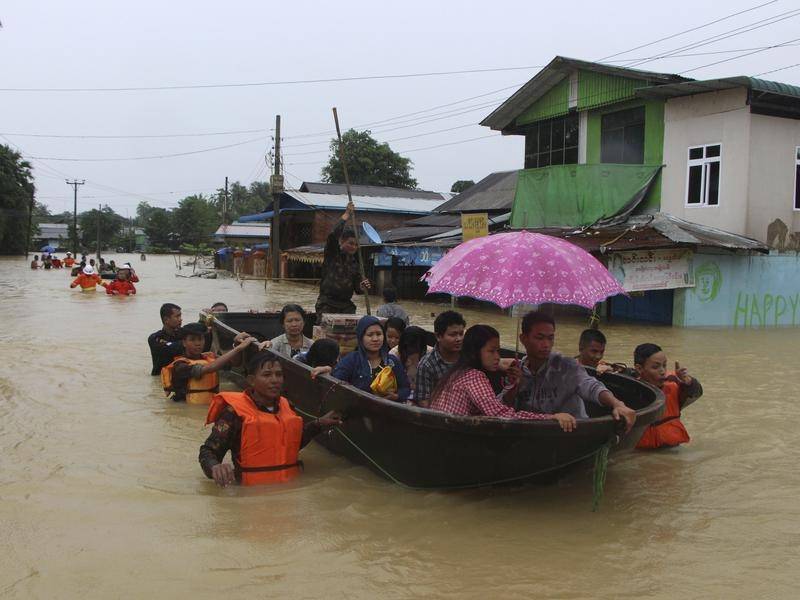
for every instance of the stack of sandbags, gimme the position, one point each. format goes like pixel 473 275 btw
pixel 341 329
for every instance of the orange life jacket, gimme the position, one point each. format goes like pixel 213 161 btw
pixel 68 262
pixel 198 391
pixel 669 431
pixel 270 442
pixel 87 282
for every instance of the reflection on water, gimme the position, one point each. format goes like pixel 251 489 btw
pixel 102 496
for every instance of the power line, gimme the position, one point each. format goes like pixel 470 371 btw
pixel 776 70
pixel 735 57
pixel 157 156
pixel 126 136
pixel 275 83
pixel 680 33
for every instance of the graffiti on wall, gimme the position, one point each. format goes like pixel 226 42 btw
pixel 766 310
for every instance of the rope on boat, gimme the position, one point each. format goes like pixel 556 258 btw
pixel 599 475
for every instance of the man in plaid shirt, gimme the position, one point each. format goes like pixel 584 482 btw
pixel 449 329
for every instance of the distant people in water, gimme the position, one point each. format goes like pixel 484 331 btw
pixel 143 257
pixel 56 262
pixel 132 276
pixel 69 261
pixel 395 327
pixel 35 262
pixel 47 262
pixel 391 308
pixel 291 341
pixel 259 428
pixel 121 286
pixel 361 367
pixel 165 344
pixel 449 328
pixel 554 383
pixel 680 390
pixel 87 279
pixel 340 271
pixel 192 376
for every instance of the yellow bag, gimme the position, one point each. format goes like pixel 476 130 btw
pixel 385 382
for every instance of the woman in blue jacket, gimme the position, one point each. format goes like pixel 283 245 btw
pixel 360 367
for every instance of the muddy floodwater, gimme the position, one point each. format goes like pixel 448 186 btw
pixel 101 495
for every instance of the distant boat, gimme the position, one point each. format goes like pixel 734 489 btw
pixel 424 448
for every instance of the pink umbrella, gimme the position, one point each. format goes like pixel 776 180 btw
pixel 522 268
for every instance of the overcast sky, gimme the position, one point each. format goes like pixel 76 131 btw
pixel 106 44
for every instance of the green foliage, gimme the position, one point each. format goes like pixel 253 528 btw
pixel 368 162
pixel 461 185
pixel 110 226
pixel 242 200
pixel 16 189
pixel 157 225
pixel 195 220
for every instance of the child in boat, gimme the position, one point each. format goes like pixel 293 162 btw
pixel 395 327
pixel 120 286
pixel 410 350
pixel 680 389
pixel 192 376
pixel 87 279
pixel 321 357
pixel 292 341
pixel 361 367
pixel 260 429
pixel 466 389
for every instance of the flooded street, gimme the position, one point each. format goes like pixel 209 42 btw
pixel 101 494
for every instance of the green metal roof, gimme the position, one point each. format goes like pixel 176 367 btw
pixel 689 88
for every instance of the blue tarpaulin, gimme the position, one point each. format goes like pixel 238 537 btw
pixel 409 256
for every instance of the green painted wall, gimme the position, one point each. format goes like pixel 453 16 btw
pixel 554 103
pixel 653 139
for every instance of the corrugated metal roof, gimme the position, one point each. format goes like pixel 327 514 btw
pixel 559 68
pixel 371 190
pixel 393 204
pixel 410 233
pixel 436 221
pixel 53 230
pixel 690 88
pixel 255 230
pixel 495 192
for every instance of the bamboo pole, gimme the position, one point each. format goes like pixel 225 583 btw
pixel 353 215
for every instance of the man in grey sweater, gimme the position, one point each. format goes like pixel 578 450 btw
pixel 552 383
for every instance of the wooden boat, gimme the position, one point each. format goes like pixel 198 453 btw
pixel 423 448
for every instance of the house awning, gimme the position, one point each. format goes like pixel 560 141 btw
pixel 579 195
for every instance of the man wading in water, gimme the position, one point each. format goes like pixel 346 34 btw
pixel 340 273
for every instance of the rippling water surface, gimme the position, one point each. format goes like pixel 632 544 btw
pixel 101 494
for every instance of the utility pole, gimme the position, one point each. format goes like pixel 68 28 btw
pixel 75 183
pixel 276 187
pixel 99 218
pixel 30 224
pixel 225 205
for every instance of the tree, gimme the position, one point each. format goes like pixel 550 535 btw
pixel 110 226
pixel 158 226
pixel 195 219
pixel 461 185
pixel 242 200
pixel 368 162
pixel 16 190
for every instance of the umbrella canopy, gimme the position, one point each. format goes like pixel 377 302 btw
pixel 522 267
pixel 47 249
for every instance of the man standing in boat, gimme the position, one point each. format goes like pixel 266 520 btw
pixel 341 276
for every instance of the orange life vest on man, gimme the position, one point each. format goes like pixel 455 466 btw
pixel 87 282
pixel 270 441
pixel 68 262
pixel 668 431
pixel 198 391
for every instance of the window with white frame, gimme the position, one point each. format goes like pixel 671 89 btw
pixel 797 178
pixel 702 185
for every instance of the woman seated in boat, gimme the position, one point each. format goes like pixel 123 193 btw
pixel 259 428
pixel 467 390
pixel 367 364
pixel 321 357
pixel 410 350
pixel 291 341
pixel 680 390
